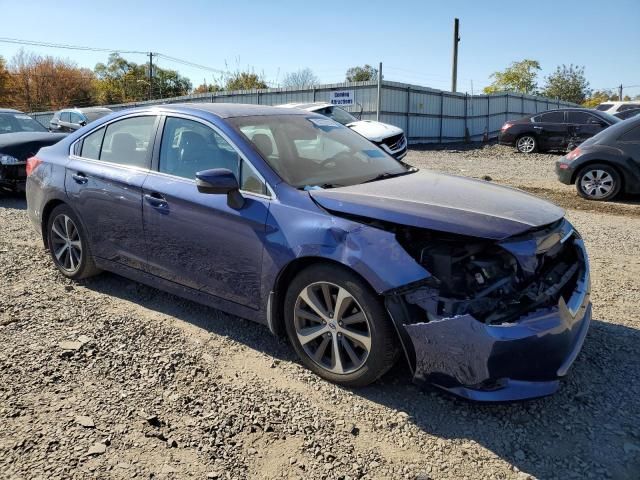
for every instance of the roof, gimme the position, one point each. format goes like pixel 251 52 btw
pixel 228 110
pixel 86 109
pixel 306 106
pixel 9 110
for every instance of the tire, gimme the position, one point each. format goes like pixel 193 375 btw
pixel 598 182
pixel 68 244
pixel 367 344
pixel 526 144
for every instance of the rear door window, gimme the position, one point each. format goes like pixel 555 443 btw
pixel 129 141
pixel 91 144
pixel 581 118
pixel 65 117
pixel 551 117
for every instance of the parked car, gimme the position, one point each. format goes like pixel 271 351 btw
pixel 388 137
pixel 616 107
pixel 606 164
pixel 20 138
pixel 72 119
pixel 561 129
pixel 351 254
pixel 627 113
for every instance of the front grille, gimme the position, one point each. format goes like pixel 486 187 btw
pixel 395 142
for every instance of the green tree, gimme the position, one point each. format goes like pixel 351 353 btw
pixel 520 77
pixel 567 83
pixel 361 74
pixel 303 78
pixel 246 80
pixel 207 88
pixel 598 97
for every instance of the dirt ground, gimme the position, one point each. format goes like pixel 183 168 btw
pixel 112 379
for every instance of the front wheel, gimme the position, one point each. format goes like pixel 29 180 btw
pixel 526 144
pixel 68 244
pixel 338 326
pixel 598 182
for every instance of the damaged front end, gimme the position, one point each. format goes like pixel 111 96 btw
pixel 496 320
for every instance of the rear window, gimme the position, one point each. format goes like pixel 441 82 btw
pixel 550 117
pixel 604 106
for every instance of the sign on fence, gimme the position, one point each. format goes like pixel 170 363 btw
pixel 342 97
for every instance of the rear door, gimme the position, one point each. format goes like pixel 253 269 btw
pixel 197 239
pixel 104 180
pixel 551 130
pixel 583 125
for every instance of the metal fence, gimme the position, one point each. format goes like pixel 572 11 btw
pixel 425 114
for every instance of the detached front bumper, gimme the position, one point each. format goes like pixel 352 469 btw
pixel 511 361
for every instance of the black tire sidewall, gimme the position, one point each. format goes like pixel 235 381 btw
pixel 87 267
pixel 384 347
pixel 600 166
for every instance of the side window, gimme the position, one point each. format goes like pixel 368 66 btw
pixel 628 106
pixel 581 118
pixel 632 135
pixel 92 143
pixel 551 117
pixel 76 118
pixel 250 181
pixel 593 120
pixel 65 117
pixel 127 142
pixel 189 147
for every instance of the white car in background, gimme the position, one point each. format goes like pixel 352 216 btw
pixel 616 107
pixel 388 137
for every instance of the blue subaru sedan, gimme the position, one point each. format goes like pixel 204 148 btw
pixel 290 219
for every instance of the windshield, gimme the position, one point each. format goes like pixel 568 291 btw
pixel 337 114
pixel 19 122
pixel 311 151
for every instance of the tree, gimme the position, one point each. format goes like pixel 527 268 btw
pixel 361 74
pixel 5 84
pixel 246 80
pixel 598 97
pixel 568 84
pixel 303 78
pixel 121 81
pixel 207 88
pixel 520 77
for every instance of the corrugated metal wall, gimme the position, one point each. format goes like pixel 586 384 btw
pixel 425 114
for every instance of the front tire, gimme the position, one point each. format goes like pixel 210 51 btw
pixel 598 182
pixel 338 326
pixel 68 244
pixel 526 144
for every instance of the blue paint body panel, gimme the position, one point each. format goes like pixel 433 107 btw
pixel 201 247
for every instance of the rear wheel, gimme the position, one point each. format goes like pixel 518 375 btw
pixel 598 182
pixel 68 244
pixel 526 144
pixel 338 326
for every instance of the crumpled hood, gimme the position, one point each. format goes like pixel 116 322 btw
pixel 375 131
pixel 23 145
pixel 444 203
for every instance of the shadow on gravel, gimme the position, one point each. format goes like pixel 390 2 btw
pixel 15 201
pixel 590 425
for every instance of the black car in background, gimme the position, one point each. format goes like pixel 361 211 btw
pixel 561 129
pixel 72 119
pixel 20 138
pixel 606 164
pixel 624 114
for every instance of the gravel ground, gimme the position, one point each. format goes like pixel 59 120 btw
pixel 112 379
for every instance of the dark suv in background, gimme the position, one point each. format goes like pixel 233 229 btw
pixel 561 129
pixel 70 120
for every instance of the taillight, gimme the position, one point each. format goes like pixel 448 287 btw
pixel 505 126
pixel 32 164
pixel 573 154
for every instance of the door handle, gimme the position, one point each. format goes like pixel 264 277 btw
pixel 539 128
pixel 80 178
pixel 156 200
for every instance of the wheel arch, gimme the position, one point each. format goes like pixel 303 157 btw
pixel 44 218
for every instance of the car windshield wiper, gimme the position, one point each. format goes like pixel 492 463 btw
pixel 386 175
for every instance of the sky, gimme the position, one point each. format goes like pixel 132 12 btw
pixel 412 39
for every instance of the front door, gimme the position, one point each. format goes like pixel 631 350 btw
pixel 197 239
pixel 551 130
pixel 105 182
pixel 583 125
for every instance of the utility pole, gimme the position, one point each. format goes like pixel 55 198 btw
pixel 150 74
pixel 379 91
pixel 620 92
pixel 454 67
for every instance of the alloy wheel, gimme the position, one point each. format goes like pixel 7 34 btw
pixel 66 244
pixel 332 328
pixel 597 183
pixel 526 144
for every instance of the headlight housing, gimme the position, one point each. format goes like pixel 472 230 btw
pixel 9 160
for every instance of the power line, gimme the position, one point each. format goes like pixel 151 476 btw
pixel 18 41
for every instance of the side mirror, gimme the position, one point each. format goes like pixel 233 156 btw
pixel 220 181
pixel 82 123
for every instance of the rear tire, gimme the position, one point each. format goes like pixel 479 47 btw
pixel 598 182
pixel 526 144
pixel 68 244
pixel 329 309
